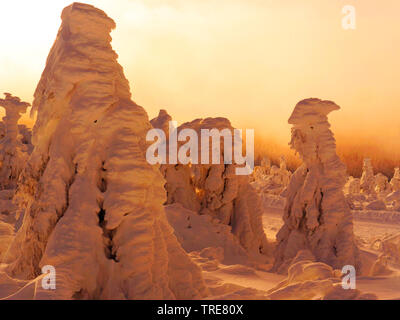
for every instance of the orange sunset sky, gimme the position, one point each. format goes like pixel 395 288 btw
pixel 249 61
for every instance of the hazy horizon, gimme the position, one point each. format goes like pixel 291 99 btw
pixel 248 62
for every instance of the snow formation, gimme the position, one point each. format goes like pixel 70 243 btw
pixel 267 179
pixel 162 121
pixel 266 165
pixel 13 153
pixel 352 186
pixel 373 192
pixel 202 233
pixel 215 190
pixel 382 184
pixel 367 182
pixel 395 181
pixel 262 171
pixel 93 204
pixel 316 216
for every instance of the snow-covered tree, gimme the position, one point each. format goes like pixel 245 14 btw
pixel 93 203
pixel 215 189
pixel 266 165
pixel 367 182
pixel 283 172
pixel 13 153
pixel 382 185
pixel 162 121
pixel 316 216
pixel 352 186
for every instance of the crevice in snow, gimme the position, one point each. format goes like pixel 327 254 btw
pixel 107 236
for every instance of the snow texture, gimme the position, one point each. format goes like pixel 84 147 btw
pixel 94 205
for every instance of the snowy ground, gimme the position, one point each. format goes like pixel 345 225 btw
pixel 238 281
pixel 227 270
pixel 367 231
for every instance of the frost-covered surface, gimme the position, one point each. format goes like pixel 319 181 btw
pixel 215 190
pixel 93 204
pixel 13 152
pixel 316 215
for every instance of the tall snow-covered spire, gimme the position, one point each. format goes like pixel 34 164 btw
pixel 93 204
pixel 12 153
pixel 316 216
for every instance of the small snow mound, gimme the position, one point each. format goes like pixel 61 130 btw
pixel 314 280
pixel 308 290
pixel 303 270
pixel 381 266
pixel 376 205
pixel 200 232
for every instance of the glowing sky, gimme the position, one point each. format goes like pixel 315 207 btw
pixel 250 61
